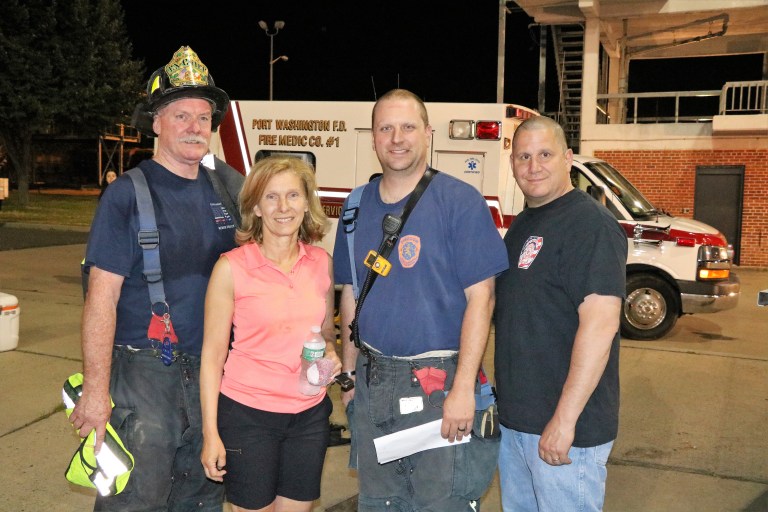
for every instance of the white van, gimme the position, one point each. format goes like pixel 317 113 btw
pixel 675 266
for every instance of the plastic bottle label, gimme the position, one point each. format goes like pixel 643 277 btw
pixel 311 354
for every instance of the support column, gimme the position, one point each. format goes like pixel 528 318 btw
pixel 614 72
pixel 501 51
pixel 590 75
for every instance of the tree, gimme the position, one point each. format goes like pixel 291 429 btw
pixel 65 67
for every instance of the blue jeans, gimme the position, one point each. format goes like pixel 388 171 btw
pixel 530 484
pixel 449 479
pixel 157 415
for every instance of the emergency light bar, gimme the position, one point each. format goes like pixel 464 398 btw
pixel 465 129
pixel 461 129
pixel 519 113
pixel 488 130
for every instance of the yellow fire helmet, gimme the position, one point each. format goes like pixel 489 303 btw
pixel 109 470
pixel 185 76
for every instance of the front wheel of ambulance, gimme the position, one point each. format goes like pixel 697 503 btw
pixel 650 309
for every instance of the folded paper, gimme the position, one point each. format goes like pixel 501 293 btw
pixel 412 440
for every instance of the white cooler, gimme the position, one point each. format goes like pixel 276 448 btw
pixel 9 322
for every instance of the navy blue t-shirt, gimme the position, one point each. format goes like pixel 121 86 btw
pixel 195 229
pixel 448 244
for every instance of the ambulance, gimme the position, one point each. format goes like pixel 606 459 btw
pixel 675 266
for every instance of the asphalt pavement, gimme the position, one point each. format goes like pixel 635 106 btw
pixel 694 410
pixel 14 236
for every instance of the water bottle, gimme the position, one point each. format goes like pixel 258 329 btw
pixel 314 349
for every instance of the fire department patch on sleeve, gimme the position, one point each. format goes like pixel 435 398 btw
pixel 530 250
pixel 408 250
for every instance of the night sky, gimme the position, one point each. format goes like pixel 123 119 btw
pixel 346 50
pixel 340 51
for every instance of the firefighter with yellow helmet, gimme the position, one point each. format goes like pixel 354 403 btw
pixel 141 342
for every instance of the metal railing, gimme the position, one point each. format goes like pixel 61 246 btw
pixel 684 106
pixel 660 107
pixel 744 98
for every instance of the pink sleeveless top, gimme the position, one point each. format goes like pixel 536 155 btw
pixel 274 312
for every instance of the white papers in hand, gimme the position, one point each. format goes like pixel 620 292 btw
pixel 412 440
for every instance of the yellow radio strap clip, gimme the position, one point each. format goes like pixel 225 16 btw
pixel 377 263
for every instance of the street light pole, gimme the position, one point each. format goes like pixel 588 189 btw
pixel 272 60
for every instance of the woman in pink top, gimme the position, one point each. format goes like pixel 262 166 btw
pixel 264 439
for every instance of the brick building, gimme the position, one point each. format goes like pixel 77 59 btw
pixel 668 179
pixel 708 165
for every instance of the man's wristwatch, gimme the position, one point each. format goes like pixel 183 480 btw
pixel 345 381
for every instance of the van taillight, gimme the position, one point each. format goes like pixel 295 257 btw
pixel 488 130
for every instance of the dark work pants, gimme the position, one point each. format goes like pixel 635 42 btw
pixel 157 415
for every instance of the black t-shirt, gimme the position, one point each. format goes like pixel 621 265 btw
pixel 559 254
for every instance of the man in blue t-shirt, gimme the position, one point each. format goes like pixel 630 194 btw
pixel 423 327
pixel 156 401
pixel 557 333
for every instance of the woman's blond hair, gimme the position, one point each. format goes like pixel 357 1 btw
pixel 315 223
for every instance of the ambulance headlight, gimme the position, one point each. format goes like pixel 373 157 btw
pixel 714 263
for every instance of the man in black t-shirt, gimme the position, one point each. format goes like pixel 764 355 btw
pixel 557 340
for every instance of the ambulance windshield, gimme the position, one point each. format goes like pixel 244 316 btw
pixel 637 205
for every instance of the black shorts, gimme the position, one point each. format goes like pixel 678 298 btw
pixel 273 454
